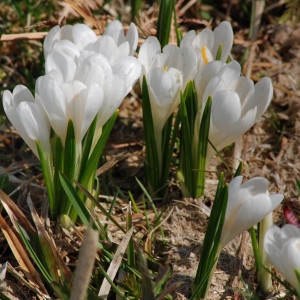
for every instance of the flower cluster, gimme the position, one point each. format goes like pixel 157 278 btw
pixel 82 72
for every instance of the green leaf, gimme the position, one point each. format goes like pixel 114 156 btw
pixel 188 112
pixel 202 150
pixel 135 9
pixel 101 208
pixel 70 152
pixel 164 21
pixel 130 247
pixel 239 170
pixel 34 256
pixel 76 201
pixel 165 275
pixel 298 186
pixel 3 297
pixel 219 52
pixel 62 291
pixel 147 286
pixel 177 29
pixel 87 144
pixel 88 174
pixel 58 166
pixel 211 245
pixel 48 177
pixel 151 165
pixel 45 254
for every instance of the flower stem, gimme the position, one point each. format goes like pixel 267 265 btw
pixel 264 276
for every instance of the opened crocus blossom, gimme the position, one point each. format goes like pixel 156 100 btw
pixel 236 102
pixel 28 117
pixel 166 72
pixel 282 245
pixel 248 203
pixel 207 43
pixel 113 44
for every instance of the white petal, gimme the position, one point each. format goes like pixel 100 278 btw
pixel 129 69
pixel 106 46
pixel 52 36
pixel 116 31
pixel 204 76
pixel 204 38
pixel 61 63
pixel 148 51
pixel 282 245
pixel 261 98
pixel 223 34
pixel 95 69
pixel 226 109
pixel 53 99
pixel 256 185
pixel 132 37
pixel 28 117
pixel 244 88
pixel 164 87
pixel 246 213
pixel 113 98
pixel 189 64
pixel 188 39
pixel 85 108
pixel 82 36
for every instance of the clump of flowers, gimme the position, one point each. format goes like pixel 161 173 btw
pixel 73 101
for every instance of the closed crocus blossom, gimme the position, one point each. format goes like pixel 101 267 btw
pixel 183 59
pixel 166 72
pixel 28 117
pixel 282 245
pixel 207 42
pixel 248 204
pixel 236 102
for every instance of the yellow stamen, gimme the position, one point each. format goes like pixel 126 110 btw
pixel 166 68
pixel 203 51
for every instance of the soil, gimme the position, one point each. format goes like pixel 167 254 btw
pixel 269 149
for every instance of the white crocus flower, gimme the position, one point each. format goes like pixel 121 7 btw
pixel 167 72
pixel 28 117
pixel 236 102
pixel 207 42
pixel 248 204
pixel 80 35
pixel 282 245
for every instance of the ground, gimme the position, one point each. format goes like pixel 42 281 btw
pixel 270 149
